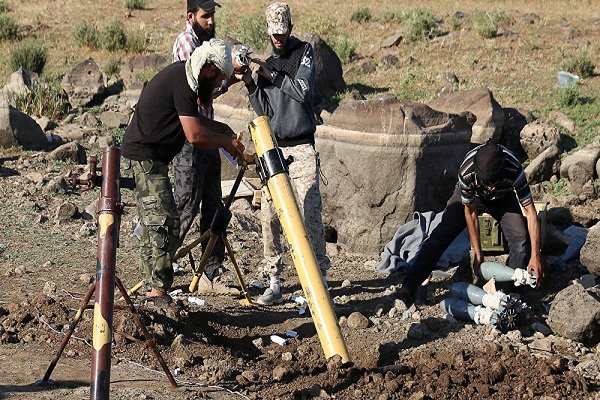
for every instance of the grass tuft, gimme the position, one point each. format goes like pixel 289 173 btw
pixel 581 65
pixel 3 6
pixel 251 31
pixel 568 96
pixel 136 42
pixel 31 56
pixel 486 23
pixel 8 28
pixel 420 24
pixel 112 66
pixel 87 35
pixel 113 36
pixel 134 4
pixel 360 15
pixel 45 99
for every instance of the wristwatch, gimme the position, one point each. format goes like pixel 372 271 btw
pixel 274 75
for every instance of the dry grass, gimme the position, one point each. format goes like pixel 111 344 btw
pixel 520 68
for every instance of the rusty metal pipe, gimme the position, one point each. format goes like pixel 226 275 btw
pixel 108 209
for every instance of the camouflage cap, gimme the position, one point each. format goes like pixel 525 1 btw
pixel 279 19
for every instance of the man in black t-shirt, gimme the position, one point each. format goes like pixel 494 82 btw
pixel 165 116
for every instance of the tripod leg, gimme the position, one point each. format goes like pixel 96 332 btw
pixel 65 340
pixel 133 289
pixel 186 249
pixel 203 261
pixel 247 300
pixel 150 341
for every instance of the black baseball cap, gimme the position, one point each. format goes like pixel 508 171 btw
pixel 489 162
pixel 203 4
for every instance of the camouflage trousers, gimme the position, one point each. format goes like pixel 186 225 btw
pixel 304 176
pixel 158 217
pixel 198 190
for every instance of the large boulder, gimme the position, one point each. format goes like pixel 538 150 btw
pixel 538 136
pixel 590 252
pixel 20 82
pixel 17 128
pixel 481 103
pixel 545 165
pixel 83 82
pixel 384 160
pixel 142 64
pixel 329 75
pixel 586 158
pixel 514 122
pixel 575 314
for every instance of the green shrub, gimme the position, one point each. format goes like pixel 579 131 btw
pixel 420 24
pixel 486 23
pixel 580 65
pixel 134 4
pixel 251 31
pixel 3 6
pixel 454 23
pixel 8 28
pixel 388 16
pixel 408 89
pixel 343 47
pixel 136 42
pixel 560 188
pixel 568 96
pixel 361 15
pixel 113 36
pixel 87 35
pixel 30 56
pixel 112 66
pixel 47 99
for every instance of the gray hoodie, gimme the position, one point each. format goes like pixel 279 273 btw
pixel 288 99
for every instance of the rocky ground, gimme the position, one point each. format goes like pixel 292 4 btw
pixel 224 350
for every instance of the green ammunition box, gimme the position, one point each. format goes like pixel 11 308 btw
pixel 490 234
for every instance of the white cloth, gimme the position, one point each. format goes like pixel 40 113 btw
pixel 212 51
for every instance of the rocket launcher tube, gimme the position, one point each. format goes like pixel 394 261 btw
pixel 294 230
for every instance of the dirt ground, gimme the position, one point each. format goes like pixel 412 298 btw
pixel 223 350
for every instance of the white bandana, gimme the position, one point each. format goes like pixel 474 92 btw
pixel 212 51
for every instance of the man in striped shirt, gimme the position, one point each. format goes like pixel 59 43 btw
pixel 198 171
pixel 489 179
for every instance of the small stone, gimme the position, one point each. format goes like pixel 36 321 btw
pixel 86 278
pixel 250 376
pixel 541 344
pixel 514 336
pixel 343 320
pixel 259 342
pixel 400 306
pixel 50 289
pixel 357 321
pixel 282 372
pixel 21 270
pixel 287 356
pixel 392 313
pixel 346 283
pixel 71 353
pixel 334 363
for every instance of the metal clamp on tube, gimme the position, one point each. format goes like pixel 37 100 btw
pixel 271 163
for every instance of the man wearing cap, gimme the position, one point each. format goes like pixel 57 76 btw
pixel 165 116
pixel 489 179
pixel 284 93
pixel 198 171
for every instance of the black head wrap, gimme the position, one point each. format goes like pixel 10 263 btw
pixel 489 162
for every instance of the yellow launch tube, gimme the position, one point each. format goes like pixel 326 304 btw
pixel 303 255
